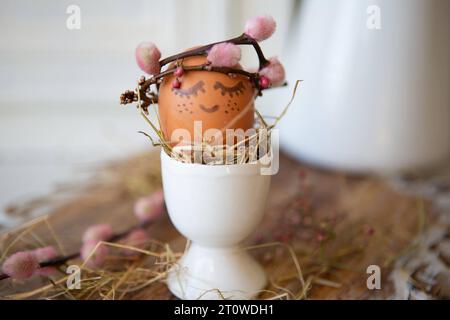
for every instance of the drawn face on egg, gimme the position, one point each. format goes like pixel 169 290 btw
pixel 199 87
pixel 218 100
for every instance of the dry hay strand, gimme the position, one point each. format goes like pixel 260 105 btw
pixel 294 268
pixel 323 219
pixel 244 150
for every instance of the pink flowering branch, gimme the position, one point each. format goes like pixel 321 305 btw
pixel 222 56
pixel 243 39
pixel 34 268
pixel 147 57
pixel 260 28
pixel 256 29
pixel 42 261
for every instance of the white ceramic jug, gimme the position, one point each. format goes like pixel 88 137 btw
pixel 375 95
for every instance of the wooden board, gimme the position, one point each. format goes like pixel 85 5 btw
pixel 365 223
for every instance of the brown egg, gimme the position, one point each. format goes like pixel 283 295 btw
pixel 218 100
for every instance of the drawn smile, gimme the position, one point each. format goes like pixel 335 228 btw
pixel 209 110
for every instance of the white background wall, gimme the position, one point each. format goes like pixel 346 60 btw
pixel 59 88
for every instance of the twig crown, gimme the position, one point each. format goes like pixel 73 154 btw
pixel 222 56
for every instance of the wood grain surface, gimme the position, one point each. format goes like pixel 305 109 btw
pixel 368 215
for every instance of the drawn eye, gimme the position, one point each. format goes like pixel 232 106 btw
pixel 236 89
pixel 199 86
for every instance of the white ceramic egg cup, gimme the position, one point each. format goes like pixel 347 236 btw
pixel 216 207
